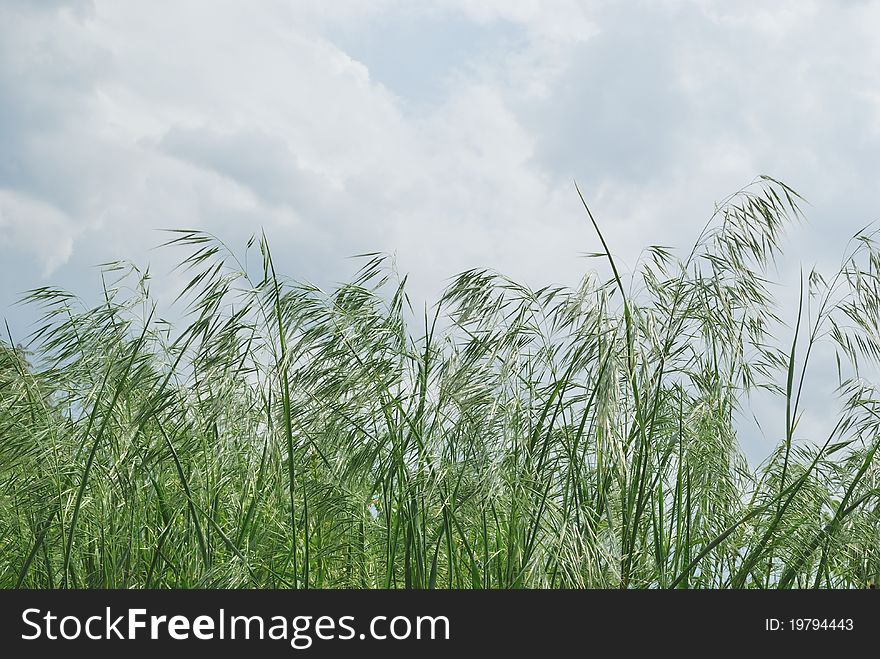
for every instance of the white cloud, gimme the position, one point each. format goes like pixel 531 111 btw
pixel 36 228
pixel 274 111
pixel 448 132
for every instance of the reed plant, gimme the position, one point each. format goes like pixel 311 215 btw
pixel 283 436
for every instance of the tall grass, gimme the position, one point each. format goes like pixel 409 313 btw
pixel 504 438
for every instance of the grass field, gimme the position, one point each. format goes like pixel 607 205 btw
pixel 284 436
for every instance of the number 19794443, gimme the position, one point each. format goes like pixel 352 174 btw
pixel 808 624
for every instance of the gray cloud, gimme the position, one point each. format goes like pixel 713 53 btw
pixel 256 160
pixel 448 133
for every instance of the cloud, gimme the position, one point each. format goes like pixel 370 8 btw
pixel 291 133
pixel 36 228
pixel 447 132
pixel 262 163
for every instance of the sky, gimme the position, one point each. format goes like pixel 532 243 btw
pixel 447 133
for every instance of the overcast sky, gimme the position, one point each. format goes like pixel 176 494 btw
pixel 449 133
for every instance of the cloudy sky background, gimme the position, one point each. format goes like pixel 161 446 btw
pixel 448 132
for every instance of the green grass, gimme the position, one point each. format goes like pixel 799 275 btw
pixel 283 436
